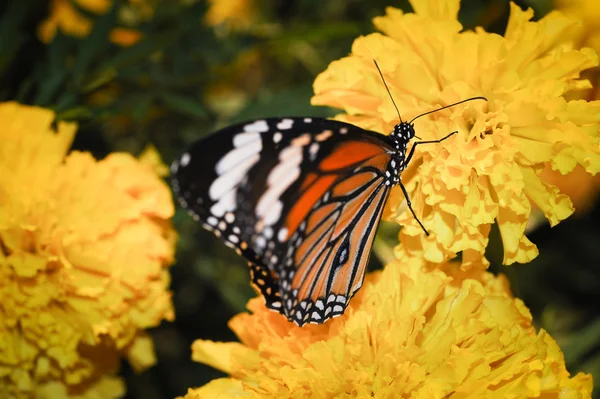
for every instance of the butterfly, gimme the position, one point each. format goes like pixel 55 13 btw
pixel 300 198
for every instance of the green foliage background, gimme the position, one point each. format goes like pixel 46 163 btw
pixel 185 79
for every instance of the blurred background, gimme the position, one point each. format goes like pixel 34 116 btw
pixel 165 73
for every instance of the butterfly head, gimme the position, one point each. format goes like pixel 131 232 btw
pixel 404 131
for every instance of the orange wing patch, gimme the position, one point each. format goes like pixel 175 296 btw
pixel 343 281
pixel 315 257
pixel 304 204
pixel 351 208
pixel 327 264
pixel 320 215
pixel 315 186
pixel 348 154
pixel 352 183
pixel 308 180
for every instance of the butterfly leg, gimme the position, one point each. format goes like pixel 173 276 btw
pixel 412 150
pixel 410 207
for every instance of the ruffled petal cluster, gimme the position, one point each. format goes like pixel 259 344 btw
pixel 490 171
pixel 84 251
pixel 409 332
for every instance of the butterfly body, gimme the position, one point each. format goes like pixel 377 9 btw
pixel 300 199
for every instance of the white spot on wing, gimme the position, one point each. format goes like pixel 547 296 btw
pixel 289 158
pixel 301 140
pixel 282 235
pixel 259 126
pixel 235 158
pixel 185 159
pixel 307 120
pixel 277 137
pixel 324 135
pixel 280 178
pixel 275 190
pixel 261 242
pixel 242 139
pixel 313 151
pixel 285 124
pixel 274 213
pixel 233 168
pixel 234 239
pixel 212 220
pixel 231 179
pixel 226 203
pixel 268 232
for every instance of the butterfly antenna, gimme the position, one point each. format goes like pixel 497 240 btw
pixel 448 106
pixel 388 90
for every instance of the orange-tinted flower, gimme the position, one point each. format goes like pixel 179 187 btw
pixel 408 333
pixel 84 250
pixel 490 170
pixel 125 37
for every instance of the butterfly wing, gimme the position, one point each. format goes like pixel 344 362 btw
pixel 328 254
pixel 300 198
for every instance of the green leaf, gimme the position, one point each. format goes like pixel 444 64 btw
pixel 290 102
pixel 184 105
pixel 580 343
pixel 11 37
pixel 95 45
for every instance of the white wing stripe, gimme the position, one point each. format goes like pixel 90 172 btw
pixel 290 157
pixel 226 204
pixel 282 176
pixel 231 179
pixel 234 157
pixel 259 126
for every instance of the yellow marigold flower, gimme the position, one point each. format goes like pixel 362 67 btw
pixel 84 250
pixel 408 333
pixel 581 187
pixel 489 170
pixel 65 17
pixel 235 14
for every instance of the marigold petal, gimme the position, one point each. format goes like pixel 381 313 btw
pixel 439 10
pixel 409 332
pixel 461 186
pixel 222 388
pixel 87 245
pixel 219 354
pixel 548 199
